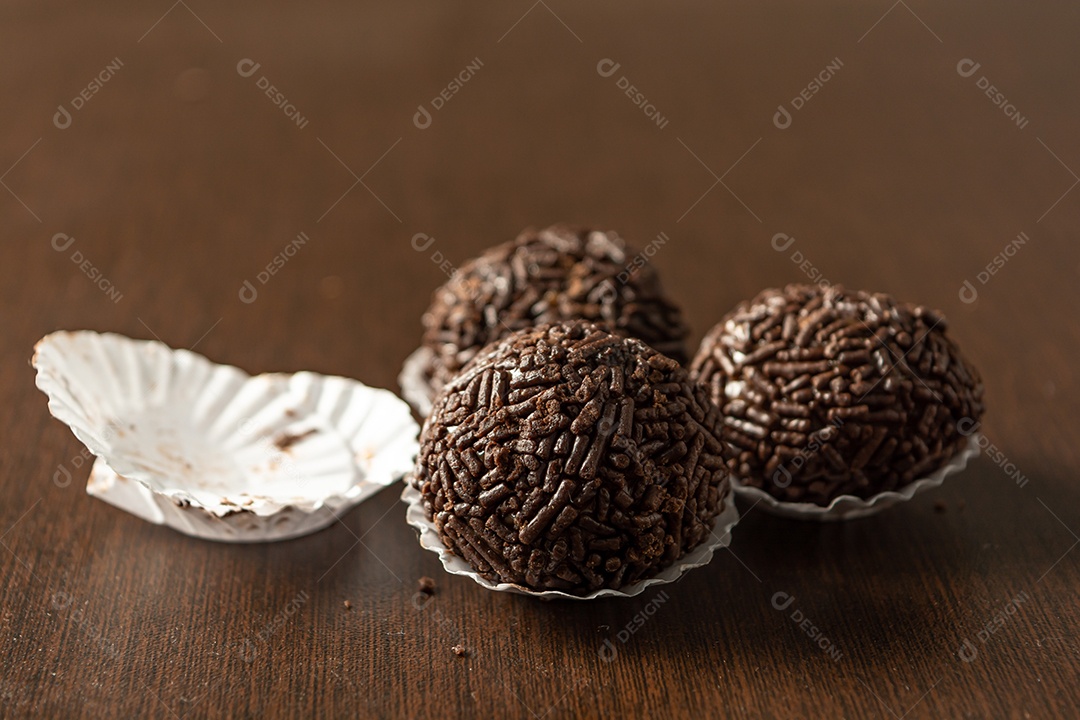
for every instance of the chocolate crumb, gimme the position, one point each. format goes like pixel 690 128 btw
pixel 458 650
pixel 285 441
pixel 940 506
pixel 427 585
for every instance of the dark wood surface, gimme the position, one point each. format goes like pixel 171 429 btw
pixel 180 179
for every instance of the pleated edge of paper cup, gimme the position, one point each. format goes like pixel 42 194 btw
pixel 850 507
pixel 196 521
pixel 720 537
pixel 175 507
pixel 414 386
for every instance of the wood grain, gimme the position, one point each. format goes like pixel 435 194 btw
pixel 180 179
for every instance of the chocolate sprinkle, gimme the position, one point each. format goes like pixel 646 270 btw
pixel 827 392
pixel 568 458
pixel 560 273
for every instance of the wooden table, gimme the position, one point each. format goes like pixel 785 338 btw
pixel 178 179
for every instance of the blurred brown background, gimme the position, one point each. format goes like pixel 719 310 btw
pixel 140 141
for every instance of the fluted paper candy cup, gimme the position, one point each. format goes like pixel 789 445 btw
pixel 213 452
pixel 415 387
pixel 699 556
pixel 850 507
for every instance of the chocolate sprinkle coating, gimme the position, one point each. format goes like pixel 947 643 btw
pixel 568 458
pixel 560 273
pixel 827 392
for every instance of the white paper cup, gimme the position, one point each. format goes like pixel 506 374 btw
pixel 414 385
pixel 701 555
pixel 213 452
pixel 850 507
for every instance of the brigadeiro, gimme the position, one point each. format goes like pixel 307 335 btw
pixel 559 273
pixel 568 458
pixel 827 392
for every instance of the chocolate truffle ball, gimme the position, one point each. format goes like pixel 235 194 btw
pixel 560 273
pixel 568 458
pixel 828 392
